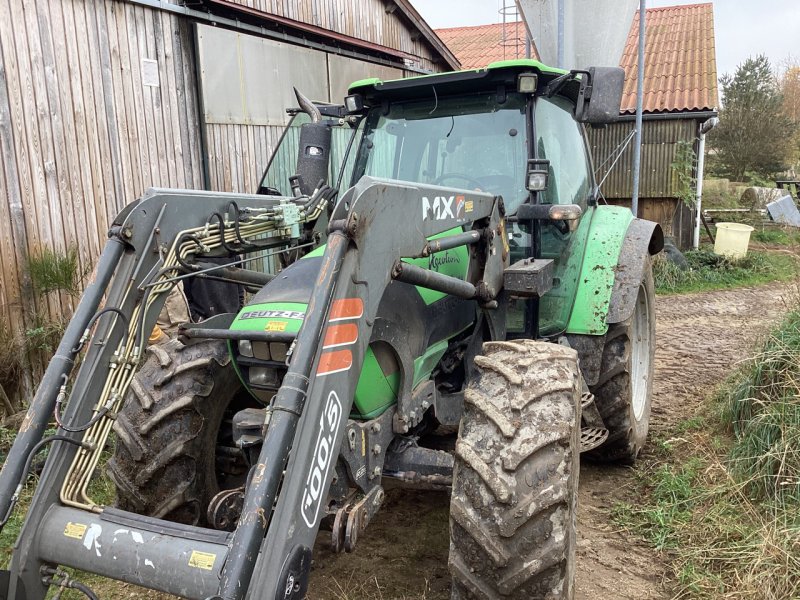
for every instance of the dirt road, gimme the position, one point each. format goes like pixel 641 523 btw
pixel 403 553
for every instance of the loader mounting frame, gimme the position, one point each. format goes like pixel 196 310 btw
pixel 270 550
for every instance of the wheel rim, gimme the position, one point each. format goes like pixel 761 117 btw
pixel 640 353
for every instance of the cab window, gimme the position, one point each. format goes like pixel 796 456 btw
pixel 559 138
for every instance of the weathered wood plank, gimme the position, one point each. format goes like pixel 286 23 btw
pixel 115 201
pixel 92 153
pixel 61 201
pixel 106 204
pixel 164 98
pixel 147 46
pixel 13 236
pixel 70 94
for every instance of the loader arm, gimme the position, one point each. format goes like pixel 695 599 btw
pixel 374 225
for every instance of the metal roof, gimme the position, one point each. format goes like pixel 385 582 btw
pixel 680 60
pixel 475 47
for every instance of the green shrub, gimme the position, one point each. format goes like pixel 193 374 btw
pixel 53 270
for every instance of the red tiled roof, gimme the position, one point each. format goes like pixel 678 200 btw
pixel 476 47
pixel 680 60
pixel 680 57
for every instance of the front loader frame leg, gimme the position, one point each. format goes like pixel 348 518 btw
pixel 365 226
pixel 287 408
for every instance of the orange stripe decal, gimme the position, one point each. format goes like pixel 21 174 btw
pixel 346 308
pixel 340 335
pixel 334 362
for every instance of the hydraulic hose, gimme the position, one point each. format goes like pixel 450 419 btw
pixel 26 470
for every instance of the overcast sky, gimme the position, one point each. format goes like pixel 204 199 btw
pixel 743 27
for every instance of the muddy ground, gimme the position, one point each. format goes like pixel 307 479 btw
pixel 403 553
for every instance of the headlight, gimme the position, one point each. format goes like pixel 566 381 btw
pixel 261 350
pixel 263 376
pixel 278 351
pixel 246 348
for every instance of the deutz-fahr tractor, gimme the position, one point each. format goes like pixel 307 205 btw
pixel 439 297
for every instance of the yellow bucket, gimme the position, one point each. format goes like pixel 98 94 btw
pixel 732 239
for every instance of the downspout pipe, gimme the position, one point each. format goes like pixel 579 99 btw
pixel 637 150
pixel 701 163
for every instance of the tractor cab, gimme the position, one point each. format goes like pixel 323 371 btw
pixel 513 130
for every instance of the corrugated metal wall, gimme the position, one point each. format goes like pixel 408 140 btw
pixel 658 201
pixel 246 84
pixel 659 144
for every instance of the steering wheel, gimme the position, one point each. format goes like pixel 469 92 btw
pixel 467 178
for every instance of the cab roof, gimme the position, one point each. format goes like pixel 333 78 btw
pixel 502 73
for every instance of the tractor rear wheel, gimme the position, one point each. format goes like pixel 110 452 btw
pixel 164 463
pixel 623 392
pixel 515 482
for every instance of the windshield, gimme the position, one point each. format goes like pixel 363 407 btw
pixel 467 142
pixel 283 163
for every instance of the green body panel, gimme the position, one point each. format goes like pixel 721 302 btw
pixel 601 251
pixel 424 365
pixel 567 251
pixel 454 262
pixel 376 390
pixel 527 63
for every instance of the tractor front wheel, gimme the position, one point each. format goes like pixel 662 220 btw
pixel 515 482
pixel 623 392
pixel 164 463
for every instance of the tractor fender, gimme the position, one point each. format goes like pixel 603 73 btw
pixel 613 265
pixel 643 239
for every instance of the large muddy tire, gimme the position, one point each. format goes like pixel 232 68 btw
pixel 164 463
pixel 623 392
pixel 515 482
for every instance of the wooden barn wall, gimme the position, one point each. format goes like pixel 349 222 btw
pixel 659 145
pixel 375 21
pixel 81 134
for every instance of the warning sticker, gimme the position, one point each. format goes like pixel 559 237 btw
pixel 202 560
pixel 74 530
pixel 276 326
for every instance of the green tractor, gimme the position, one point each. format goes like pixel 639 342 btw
pixel 456 308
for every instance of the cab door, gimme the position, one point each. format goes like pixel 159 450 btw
pixel 561 140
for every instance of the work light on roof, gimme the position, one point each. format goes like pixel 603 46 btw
pixel 527 82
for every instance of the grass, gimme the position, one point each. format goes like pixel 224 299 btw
pixel 762 410
pixel 53 270
pixel 776 237
pixel 10 367
pixel 709 271
pixel 724 502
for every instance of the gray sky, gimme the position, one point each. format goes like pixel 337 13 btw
pixel 743 27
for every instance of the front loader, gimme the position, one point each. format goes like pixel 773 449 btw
pixel 454 309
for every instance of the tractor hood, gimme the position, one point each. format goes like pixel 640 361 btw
pixel 281 304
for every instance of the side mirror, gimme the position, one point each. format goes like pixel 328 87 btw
pixel 600 95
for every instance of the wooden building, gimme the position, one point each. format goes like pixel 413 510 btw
pixel 102 99
pixel 680 86
pixel 680 95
